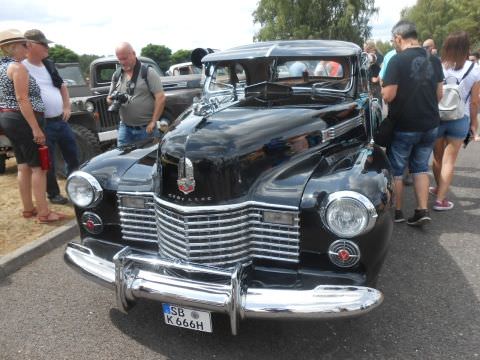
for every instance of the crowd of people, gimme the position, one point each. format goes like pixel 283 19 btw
pixel 35 109
pixel 413 78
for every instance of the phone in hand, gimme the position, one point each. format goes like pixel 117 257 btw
pixel 468 138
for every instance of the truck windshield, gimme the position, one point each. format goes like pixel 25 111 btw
pixel 71 74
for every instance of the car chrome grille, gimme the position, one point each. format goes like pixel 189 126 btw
pixel 225 237
pixel 217 237
pixel 138 224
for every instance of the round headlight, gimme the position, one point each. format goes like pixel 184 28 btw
pixel 348 214
pixel 89 106
pixel 83 189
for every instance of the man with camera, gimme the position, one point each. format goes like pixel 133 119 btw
pixel 139 100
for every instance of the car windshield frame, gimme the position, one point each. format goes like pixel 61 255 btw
pixel 313 85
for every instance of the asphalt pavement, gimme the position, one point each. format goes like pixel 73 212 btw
pixel 431 283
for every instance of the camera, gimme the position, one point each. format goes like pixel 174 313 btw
pixel 118 98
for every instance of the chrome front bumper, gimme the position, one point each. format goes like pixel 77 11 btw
pixel 136 275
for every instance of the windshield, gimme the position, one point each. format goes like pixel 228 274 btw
pixel 71 74
pixel 302 75
pixel 328 73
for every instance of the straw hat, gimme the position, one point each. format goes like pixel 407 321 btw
pixel 11 36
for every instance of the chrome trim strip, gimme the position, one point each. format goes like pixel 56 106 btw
pixel 136 276
pixel 220 208
pixel 341 129
pixel 209 208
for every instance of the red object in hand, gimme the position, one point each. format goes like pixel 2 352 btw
pixel 44 157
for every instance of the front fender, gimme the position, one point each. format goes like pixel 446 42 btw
pixel 113 167
pixel 362 170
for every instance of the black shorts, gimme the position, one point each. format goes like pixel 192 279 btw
pixel 16 128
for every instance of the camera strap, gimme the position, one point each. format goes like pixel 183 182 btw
pixel 139 68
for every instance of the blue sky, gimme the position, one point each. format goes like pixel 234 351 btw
pixel 96 26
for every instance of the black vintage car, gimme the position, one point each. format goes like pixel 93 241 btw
pixel 266 199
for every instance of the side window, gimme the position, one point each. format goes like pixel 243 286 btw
pixel 104 72
pixel 221 79
pixel 227 76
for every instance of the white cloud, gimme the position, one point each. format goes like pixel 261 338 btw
pixel 96 26
pixel 388 15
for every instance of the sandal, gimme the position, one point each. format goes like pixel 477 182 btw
pixel 46 219
pixel 27 214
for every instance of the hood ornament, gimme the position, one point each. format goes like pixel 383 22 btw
pixel 185 181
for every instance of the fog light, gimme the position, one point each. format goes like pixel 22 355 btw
pixel 278 217
pixel 344 253
pixel 92 222
pixel 136 202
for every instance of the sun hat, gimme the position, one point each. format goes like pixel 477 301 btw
pixel 11 36
pixel 37 36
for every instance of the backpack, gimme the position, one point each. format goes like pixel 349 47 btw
pixel 451 106
pixel 143 74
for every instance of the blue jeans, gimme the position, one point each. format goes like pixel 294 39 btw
pixel 413 148
pixel 130 134
pixel 59 132
pixel 454 129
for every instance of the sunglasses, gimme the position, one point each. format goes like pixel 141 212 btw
pixel 40 43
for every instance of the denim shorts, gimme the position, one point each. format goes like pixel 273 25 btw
pixel 454 129
pixel 412 148
pixel 128 134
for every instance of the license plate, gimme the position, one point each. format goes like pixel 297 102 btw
pixel 187 318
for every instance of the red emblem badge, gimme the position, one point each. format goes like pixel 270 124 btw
pixel 185 181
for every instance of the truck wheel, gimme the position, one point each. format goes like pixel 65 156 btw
pixel 87 145
pixel 3 158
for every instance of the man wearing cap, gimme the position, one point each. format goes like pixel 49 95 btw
pixel 54 94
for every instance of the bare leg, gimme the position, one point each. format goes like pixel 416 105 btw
pixel 398 193
pixel 24 178
pixel 438 150
pixel 448 165
pixel 39 188
pixel 421 182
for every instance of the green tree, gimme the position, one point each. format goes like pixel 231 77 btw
pixel 314 19
pixel 180 56
pixel 61 54
pixel 437 18
pixel 85 61
pixel 159 53
pixel 383 46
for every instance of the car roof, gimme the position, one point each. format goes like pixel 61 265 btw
pixel 114 59
pixel 288 48
pixel 180 65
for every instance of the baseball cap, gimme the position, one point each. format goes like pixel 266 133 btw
pixel 37 36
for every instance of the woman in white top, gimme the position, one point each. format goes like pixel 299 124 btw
pixel 451 133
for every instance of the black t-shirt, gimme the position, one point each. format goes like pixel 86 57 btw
pixel 415 107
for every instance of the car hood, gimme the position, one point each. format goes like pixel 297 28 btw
pixel 245 153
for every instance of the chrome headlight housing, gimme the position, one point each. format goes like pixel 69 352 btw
pixel 348 214
pixel 83 189
pixel 89 106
